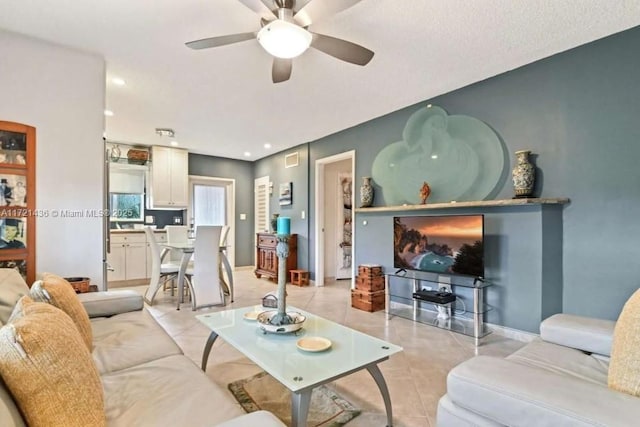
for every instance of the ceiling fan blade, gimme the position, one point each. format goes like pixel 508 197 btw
pixel 299 4
pixel 220 41
pixel 260 8
pixel 314 11
pixel 281 70
pixel 342 49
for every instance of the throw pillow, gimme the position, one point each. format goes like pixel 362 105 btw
pixel 624 367
pixel 48 369
pixel 58 292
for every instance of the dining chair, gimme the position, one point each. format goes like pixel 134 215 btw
pixel 160 273
pixel 203 277
pixel 176 234
pixel 227 282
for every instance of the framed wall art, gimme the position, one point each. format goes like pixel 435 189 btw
pixel 13 190
pixel 285 196
pixel 13 233
pixel 13 147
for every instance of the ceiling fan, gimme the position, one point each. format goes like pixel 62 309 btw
pixel 285 35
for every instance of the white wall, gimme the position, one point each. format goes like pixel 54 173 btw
pixel 61 92
pixel 332 207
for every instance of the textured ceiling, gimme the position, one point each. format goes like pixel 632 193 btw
pixel 221 101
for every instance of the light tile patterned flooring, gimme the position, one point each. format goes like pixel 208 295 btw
pixel 416 377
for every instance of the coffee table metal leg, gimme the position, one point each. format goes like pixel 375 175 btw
pixel 382 385
pixel 300 408
pixel 207 349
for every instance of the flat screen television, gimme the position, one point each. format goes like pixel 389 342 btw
pixel 446 244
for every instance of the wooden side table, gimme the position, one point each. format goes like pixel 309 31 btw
pixel 299 277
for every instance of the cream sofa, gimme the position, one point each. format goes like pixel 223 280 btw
pixel 147 381
pixel 557 380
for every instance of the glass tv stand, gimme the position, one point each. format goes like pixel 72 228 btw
pixel 465 315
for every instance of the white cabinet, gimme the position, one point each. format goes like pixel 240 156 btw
pixel 169 187
pixel 136 259
pixel 117 261
pixel 130 256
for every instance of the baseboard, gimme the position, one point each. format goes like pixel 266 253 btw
pixel 514 334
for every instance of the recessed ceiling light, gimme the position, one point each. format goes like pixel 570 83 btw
pixel 434 156
pixel 118 81
pixel 429 105
pixel 174 143
pixel 247 154
pixel 108 113
pixel 267 146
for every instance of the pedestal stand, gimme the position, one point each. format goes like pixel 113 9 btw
pixel 282 251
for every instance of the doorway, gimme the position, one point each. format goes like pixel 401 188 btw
pixel 335 236
pixel 212 202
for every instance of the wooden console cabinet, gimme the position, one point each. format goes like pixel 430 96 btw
pixel 267 260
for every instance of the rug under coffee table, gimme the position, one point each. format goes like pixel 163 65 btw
pixel 297 370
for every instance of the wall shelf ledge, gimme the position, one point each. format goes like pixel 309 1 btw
pixel 471 204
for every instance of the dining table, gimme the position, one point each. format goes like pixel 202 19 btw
pixel 188 249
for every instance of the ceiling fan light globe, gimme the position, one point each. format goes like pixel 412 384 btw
pixel 283 39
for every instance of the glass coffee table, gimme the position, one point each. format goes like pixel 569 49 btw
pixel 301 371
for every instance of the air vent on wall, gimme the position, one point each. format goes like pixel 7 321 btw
pixel 291 160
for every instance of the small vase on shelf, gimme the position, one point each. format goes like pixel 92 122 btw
pixel 524 175
pixel 366 193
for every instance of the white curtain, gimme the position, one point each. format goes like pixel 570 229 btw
pixel 209 205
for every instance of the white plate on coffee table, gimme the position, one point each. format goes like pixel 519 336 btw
pixel 251 315
pixel 313 344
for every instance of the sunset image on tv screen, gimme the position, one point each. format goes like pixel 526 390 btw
pixel 440 244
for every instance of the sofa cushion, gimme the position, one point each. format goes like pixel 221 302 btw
pixel 624 370
pixel 507 392
pixel 48 369
pixel 109 303
pixel 58 292
pixel 171 391
pixel 562 360
pixel 12 288
pixel 583 333
pixel 129 339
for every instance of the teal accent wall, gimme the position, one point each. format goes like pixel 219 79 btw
pixel 273 166
pixel 242 172
pixel 578 112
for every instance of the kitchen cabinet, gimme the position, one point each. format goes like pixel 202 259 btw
pixel 130 256
pixel 267 259
pixel 169 186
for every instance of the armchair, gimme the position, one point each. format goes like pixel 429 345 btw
pixel 559 379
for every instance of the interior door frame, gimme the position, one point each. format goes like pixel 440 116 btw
pixel 319 214
pixel 230 187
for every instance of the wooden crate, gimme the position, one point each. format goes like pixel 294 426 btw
pixel 367 301
pixel 370 283
pixel 369 270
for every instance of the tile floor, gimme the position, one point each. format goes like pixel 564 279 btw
pixel 416 377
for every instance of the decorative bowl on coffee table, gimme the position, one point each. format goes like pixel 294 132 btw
pixel 266 322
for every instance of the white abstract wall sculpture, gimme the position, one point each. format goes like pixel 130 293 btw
pixel 459 156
